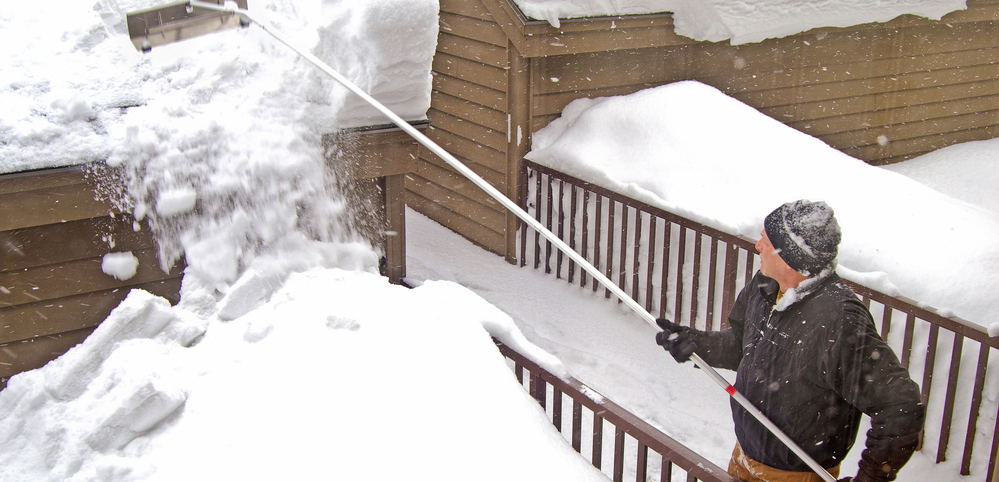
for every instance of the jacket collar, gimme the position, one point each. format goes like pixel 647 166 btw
pixel 770 287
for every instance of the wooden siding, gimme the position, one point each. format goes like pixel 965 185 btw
pixel 881 92
pixel 469 119
pixel 53 236
pixel 918 84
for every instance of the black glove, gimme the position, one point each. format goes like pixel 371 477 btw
pixel 676 339
pixel 860 477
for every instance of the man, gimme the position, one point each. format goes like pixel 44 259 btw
pixel 807 354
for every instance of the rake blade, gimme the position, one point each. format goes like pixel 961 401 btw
pixel 175 22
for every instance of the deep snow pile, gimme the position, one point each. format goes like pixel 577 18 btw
pixel 963 171
pixel 690 149
pixel 336 374
pixel 73 84
pixel 744 21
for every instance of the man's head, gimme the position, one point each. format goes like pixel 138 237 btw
pixel 805 235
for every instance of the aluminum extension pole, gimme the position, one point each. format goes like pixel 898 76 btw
pixel 536 225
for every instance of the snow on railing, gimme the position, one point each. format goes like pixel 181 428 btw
pixel 681 269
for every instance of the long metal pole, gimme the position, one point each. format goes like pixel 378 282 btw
pixel 533 223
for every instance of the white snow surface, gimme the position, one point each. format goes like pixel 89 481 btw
pixel 338 372
pixel 287 357
pixel 690 149
pixel 743 21
pixel 959 171
pixel 75 90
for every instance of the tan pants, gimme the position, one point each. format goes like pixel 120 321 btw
pixel 749 470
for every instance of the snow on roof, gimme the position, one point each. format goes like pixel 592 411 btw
pixel 744 21
pixel 691 149
pixel 73 84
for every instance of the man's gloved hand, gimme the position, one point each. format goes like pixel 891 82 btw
pixel 676 339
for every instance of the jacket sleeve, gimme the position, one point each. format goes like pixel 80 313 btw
pixel 723 349
pixel 864 370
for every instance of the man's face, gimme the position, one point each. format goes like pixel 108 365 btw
pixel 771 264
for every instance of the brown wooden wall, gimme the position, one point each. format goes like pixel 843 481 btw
pixel 53 293
pixel 921 84
pixel 918 84
pixel 468 118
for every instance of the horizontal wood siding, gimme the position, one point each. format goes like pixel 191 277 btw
pixel 912 84
pixel 881 92
pixel 54 234
pixel 469 119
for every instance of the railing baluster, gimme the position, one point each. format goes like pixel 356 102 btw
pixel 572 231
pixel 610 244
pixel 618 455
pixel 993 473
pixel 548 225
pixel 948 414
pixel 695 283
pixel 680 262
pixel 598 441
pixel 561 227
pixel 642 464
pixel 712 279
pixel 729 283
pixel 930 365
pixel 586 234
pixel 910 330
pixel 886 322
pixel 523 226
pixel 976 405
pixel 557 408
pixel 635 258
pixel 597 240
pixel 650 269
pixel 622 271
pixel 666 470
pixel 748 275
pixel 667 240
pixel 577 425
pixel 537 212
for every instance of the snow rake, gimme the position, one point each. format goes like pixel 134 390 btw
pixel 182 20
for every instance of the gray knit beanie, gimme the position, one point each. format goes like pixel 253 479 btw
pixel 805 234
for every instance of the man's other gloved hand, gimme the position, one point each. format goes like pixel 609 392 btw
pixel 675 339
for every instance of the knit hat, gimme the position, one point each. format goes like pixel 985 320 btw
pixel 805 234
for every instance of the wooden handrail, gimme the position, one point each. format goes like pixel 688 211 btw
pixel 646 435
pixel 609 220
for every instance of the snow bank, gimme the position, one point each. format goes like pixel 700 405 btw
pixel 72 97
pixel 690 149
pixel 963 171
pixel 745 21
pixel 302 387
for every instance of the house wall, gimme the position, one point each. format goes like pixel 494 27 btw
pixel 54 233
pixel 879 92
pixel 468 118
pixel 53 292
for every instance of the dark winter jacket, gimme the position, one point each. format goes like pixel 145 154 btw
pixel 813 368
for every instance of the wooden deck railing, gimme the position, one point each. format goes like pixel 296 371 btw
pixel 633 444
pixel 691 273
